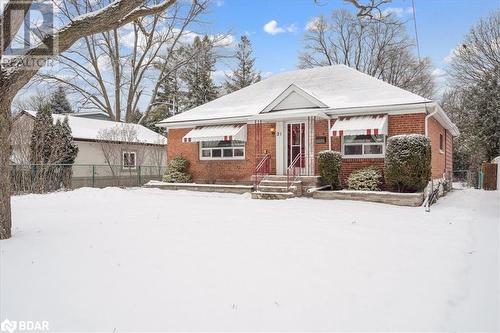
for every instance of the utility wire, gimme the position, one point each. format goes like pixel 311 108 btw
pixel 416 32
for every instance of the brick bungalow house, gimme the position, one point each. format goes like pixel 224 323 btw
pixel 278 126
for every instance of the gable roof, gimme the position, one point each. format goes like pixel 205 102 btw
pixel 88 129
pixel 337 87
pixel 296 98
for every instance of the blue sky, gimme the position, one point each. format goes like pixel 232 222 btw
pixel 441 25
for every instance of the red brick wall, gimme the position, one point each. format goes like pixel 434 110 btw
pixel 226 171
pixel 351 164
pixel 413 123
pixel 397 124
pixel 442 160
pixel 222 171
pixel 449 152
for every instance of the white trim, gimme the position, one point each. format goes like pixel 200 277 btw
pixel 296 89
pixel 305 143
pixel 123 160
pixel 222 158
pixel 280 146
pixel 282 115
pixel 363 144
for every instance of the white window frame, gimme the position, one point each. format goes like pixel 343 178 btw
pixel 124 167
pixel 222 158
pixel 343 144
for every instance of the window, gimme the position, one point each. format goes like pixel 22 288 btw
pixel 363 145
pixel 441 142
pixel 129 160
pixel 224 150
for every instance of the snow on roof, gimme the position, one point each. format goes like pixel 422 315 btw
pixel 89 129
pixel 336 86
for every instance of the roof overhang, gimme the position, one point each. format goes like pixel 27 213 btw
pixel 289 114
pixel 444 120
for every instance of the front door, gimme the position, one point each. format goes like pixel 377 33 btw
pixel 296 144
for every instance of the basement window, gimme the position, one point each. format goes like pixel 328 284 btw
pixel 363 146
pixel 222 150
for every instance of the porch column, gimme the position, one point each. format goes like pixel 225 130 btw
pixel 280 148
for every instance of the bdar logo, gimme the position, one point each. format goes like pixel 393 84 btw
pixel 8 326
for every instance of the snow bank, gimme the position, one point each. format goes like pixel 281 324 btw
pixel 147 259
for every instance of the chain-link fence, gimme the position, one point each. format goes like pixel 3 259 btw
pixel 38 178
pixel 463 179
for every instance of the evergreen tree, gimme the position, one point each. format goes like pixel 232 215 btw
pixel 42 136
pixel 59 103
pixel 198 73
pixel 170 93
pixel 157 114
pixel 245 74
pixel 69 147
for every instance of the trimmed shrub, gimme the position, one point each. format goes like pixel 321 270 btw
pixel 366 179
pixel 329 163
pixel 408 162
pixel 177 171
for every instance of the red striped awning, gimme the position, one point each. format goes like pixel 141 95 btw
pixel 236 132
pixel 360 125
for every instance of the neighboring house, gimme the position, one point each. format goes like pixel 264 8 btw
pixel 102 145
pixel 290 117
pixel 101 115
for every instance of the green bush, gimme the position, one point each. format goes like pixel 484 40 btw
pixel 329 163
pixel 366 179
pixel 408 162
pixel 177 171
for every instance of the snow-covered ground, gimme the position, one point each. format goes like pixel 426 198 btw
pixel 147 259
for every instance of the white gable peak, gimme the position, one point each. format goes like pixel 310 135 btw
pixel 293 98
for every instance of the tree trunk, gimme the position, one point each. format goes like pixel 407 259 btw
pixel 5 152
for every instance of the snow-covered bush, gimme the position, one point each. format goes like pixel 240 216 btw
pixel 177 171
pixel 329 163
pixel 408 162
pixel 366 179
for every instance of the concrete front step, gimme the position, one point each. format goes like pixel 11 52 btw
pixel 274 188
pixel 267 182
pixel 272 195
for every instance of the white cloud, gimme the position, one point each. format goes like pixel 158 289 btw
pixel 313 24
pixel 438 72
pixel 440 79
pixel 219 3
pixel 398 11
pixel 273 28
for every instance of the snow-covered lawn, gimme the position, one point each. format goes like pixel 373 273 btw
pixel 147 259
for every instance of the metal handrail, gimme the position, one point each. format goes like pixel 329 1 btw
pixel 291 175
pixel 262 168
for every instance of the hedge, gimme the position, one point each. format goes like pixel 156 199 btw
pixel 408 162
pixel 366 179
pixel 329 164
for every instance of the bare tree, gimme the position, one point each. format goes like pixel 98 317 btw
pixel 20 139
pixel 111 71
pixel 118 140
pixel 370 9
pixel 380 48
pixel 14 76
pixel 478 54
